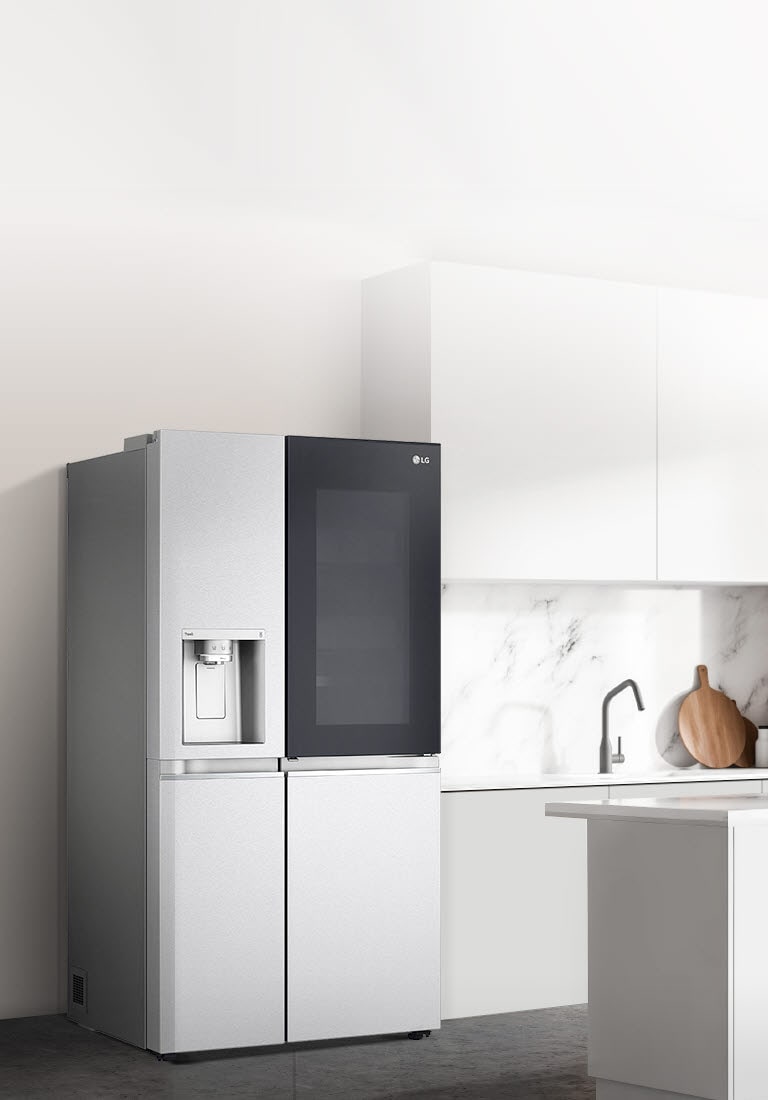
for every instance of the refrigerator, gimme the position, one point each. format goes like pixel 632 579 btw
pixel 253 723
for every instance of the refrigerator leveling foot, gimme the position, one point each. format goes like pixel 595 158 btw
pixel 419 1034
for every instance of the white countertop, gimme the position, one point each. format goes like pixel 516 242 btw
pixel 723 810
pixel 512 781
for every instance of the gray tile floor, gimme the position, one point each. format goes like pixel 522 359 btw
pixel 532 1055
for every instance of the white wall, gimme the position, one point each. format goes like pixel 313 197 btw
pixel 107 334
pixel 604 138
pixel 190 191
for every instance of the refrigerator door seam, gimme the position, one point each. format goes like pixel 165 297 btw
pixel 183 776
pixel 359 771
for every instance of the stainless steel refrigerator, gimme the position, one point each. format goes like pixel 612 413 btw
pixel 253 654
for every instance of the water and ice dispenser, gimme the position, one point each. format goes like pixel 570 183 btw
pixel 223 672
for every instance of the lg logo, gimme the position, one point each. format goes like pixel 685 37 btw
pixel 420 460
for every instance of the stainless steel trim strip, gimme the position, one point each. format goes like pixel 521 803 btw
pixel 364 763
pixel 183 776
pixel 215 766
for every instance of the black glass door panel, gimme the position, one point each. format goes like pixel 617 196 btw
pixel 362 654
pixel 363 597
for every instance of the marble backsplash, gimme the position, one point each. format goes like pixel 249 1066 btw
pixel 525 669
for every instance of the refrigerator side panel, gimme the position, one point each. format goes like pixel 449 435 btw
pixel 220 529
pixel 106 745
pixel 155 982
pixel 363 903
pixel 154 538
pixel 221 910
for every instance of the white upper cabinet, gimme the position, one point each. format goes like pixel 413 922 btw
pixel 713 437
pixel 542 391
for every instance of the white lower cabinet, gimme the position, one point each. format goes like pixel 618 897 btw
pixel 514 894
pixel 514 902
pixel 363 903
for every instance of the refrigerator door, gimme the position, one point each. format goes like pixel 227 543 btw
pixel 215 569
pixel 363 597
pixel 221 913
pixel 363 903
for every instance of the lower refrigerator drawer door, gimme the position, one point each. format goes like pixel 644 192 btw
pixel 363 903
pixel 222 912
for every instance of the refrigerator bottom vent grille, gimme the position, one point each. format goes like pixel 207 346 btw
pixel 78 988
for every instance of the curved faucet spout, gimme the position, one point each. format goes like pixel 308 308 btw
pixel 607 756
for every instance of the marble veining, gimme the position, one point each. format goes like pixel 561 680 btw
pixel 525 669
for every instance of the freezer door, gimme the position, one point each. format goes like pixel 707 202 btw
pixel 363 903
pixel 363 597
pixel 221 912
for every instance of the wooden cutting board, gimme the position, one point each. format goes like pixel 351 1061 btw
pixel 747 758
pixel 711 727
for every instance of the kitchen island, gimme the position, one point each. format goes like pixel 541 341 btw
pixel 678 946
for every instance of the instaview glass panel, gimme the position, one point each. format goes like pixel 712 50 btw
pixel 362 616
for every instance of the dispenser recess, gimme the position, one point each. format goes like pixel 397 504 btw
pixel 223 686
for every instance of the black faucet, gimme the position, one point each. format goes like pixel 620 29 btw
pixel 607 757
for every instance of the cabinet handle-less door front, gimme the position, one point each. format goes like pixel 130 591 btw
pixel 363 903
pixel 222 911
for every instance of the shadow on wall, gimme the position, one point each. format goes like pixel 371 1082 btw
pixel 32 779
